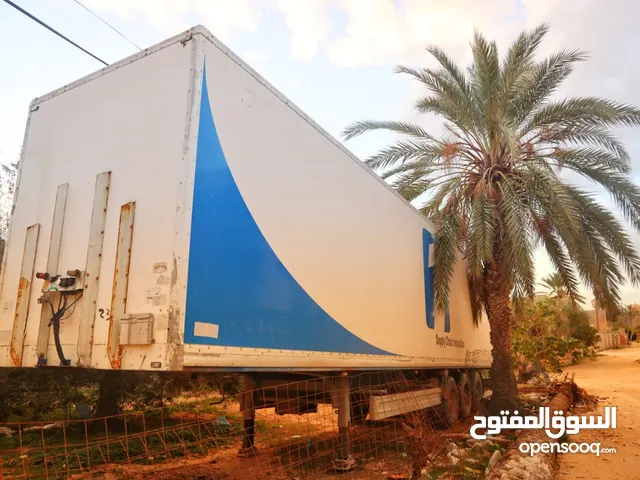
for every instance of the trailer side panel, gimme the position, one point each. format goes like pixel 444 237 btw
pixel 299 256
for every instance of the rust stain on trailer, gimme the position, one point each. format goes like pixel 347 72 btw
pixel 174 272
pixel 24 292
pixel 120 283
pixel 23 288
pixel 116 360
pixel 175 348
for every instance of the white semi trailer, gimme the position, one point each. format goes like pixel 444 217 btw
pixel 174 211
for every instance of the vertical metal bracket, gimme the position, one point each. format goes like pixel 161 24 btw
pixel 120 283
pixel 92 269
pixel 52 268
pixel 24 293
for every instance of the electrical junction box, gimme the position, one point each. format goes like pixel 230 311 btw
pixel 136 329
pixel 72 282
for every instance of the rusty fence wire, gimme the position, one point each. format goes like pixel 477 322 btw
pixel 296 435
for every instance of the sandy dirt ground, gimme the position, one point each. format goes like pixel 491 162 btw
pixel 615 377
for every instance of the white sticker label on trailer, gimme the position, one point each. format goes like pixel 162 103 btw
pixel 202 329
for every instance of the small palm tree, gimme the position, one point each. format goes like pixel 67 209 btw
pixel 557 289
pixel 554 283
pixel 491 183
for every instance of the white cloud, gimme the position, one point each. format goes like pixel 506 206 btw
pixel 390 33
pixel 166 15
pixel 308 23
pixel 222 16
pixel 256 57
pixel 174 16
pixel 307 20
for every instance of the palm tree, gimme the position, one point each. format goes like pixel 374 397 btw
pixel 557 289
pixel 491 182
pixel 555 284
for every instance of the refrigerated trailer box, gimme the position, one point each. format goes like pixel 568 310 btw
pixel 174 211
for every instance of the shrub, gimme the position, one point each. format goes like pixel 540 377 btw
pixel 548 335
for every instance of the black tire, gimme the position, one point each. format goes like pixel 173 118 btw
pixel 464 395
pixel 449 410
pixel 477 391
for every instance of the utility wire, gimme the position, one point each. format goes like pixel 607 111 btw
pixel 53 30
pixel 108 24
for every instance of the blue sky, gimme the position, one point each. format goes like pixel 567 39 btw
pixel 333 58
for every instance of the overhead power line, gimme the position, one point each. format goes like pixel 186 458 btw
pixel 53 30
pixel 107 24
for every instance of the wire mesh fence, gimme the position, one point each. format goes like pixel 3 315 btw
pixel 296 429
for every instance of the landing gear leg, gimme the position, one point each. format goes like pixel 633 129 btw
pixel 247 407
pixel 344 462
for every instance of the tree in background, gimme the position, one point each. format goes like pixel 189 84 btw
pixel 627 319
pixel 548 335
pixel 554 283
pixel 7 189
pixel 565 307
pixel 491 182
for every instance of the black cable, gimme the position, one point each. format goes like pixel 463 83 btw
pixel 57 317
pixel 71 312
pixel 53 30
pixel 72 305
pixel 55 321
pixel 107 24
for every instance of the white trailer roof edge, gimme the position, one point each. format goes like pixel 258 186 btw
pixel 201 30
pixel 182 37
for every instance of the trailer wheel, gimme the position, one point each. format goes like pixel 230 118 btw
pixel 464 395
pixel 449 409
pixel 477 391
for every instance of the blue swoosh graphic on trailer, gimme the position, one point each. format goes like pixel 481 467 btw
pixel 236 280
pixel 427 241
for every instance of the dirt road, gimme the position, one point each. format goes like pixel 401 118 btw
pixel 614 375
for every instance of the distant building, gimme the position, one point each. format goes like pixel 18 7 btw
pixel 606 324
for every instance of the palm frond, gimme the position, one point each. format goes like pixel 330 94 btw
pixel 517 241
pixel 543 81
pixel 561 261
pixel 403 151
pixel 589 136
pixel 583 159
pixel 482 232
pixel 485 80
pixel 446 252
pixel 519 57
pixel 448 65
pixel 585 111
pixel 358 128
pixel 612 232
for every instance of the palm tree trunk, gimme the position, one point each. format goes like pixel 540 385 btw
pixel 503 380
